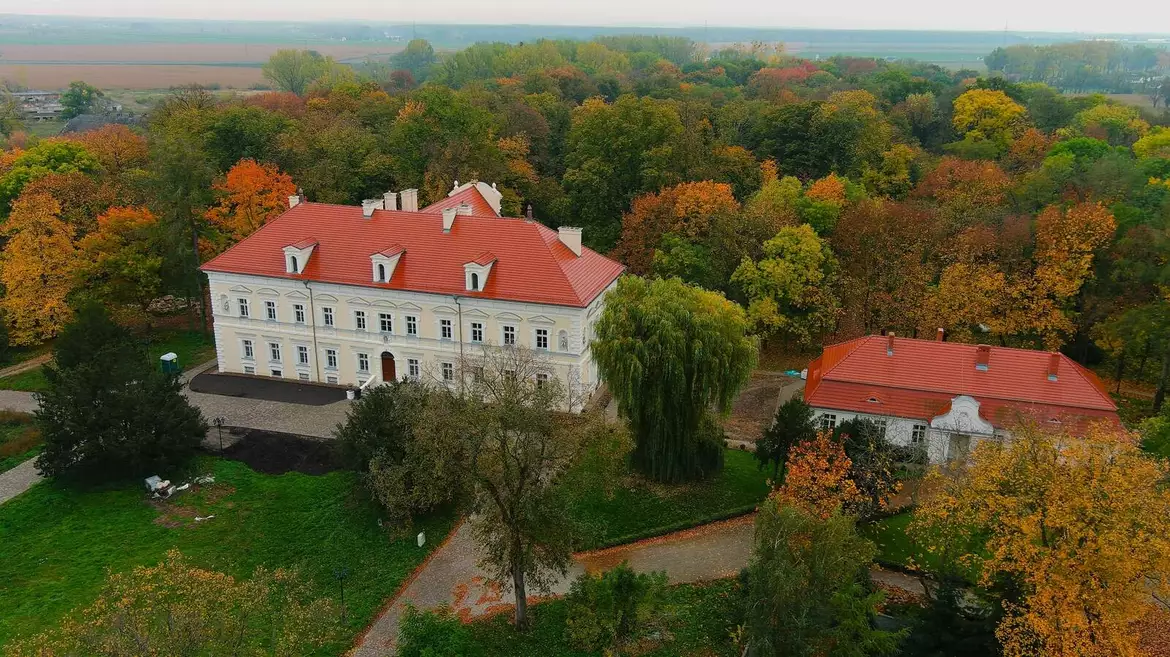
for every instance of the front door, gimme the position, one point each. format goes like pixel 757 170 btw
pixel 388 367
pixel 959 448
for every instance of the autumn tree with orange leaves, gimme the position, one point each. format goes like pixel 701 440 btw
pixel 1079 526
pixel 817 478
pixel 689 211
pixel 250 195
pixel 36 269
pixel 122 266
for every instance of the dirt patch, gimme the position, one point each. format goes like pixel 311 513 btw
pixel 756 405
pixel 172 515
pixel 277 453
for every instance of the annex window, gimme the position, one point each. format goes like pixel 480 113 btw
pixel 918 434
pixel 327 316
pixel 412 368
pixel 299 313
pixel 363 363
pixel 270 311
pixel 541 379
pixel 477 331
pixel 359 320
pixel 385 322
pixel 332 378
pixel 302 355
pixel 248 369
pixel 882 423
pixel 303 376
pixel 249 350
pixel 444 329
pixel 542 339
pixel 828 421
pixel 243 304
pixel 274 352
pixel 510 335
pixel 448 371
pixel 411 325
pixel 331 359
pixel 277 373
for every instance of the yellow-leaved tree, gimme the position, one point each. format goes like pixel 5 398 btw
pixel 36 269
pixel 988 115
pixel 1079 528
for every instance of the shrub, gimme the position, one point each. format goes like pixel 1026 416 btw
pixel 607 610
pixel 435 634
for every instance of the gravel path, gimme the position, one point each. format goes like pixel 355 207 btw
pixel 27 365
pixel 17 480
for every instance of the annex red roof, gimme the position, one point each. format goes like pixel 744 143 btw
pixel 469 195
pixel 922 376
pixel 532 265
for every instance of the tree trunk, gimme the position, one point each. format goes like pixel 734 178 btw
pixel 1160 395
pixel 521 622
pixel 1120 370
pixel 1142 362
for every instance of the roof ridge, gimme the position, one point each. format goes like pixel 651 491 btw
pixel 1095 382
pixel 857 342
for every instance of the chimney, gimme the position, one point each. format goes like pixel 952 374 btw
pixel 528 213
pixel 982 357
pixel 1053 365
pixel 448 219
pixel 890 343
pixel 390 201
pixel 369 205
pixel 938 337
pixel 294 201
pixel 463 209
pixel 409 200
pixel 570 237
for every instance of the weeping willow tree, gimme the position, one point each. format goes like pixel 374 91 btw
pixel 673 356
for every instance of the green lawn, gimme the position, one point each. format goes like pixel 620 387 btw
pixel 639 509
pixel 192 348
pixel 696 621
pixel 58 544
pixel 895 547
pixel 19 441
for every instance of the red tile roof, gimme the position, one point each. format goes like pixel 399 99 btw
pixel 485 258
pixel 471 196
pixel 304 244
pixel 532 265
pixel 922 376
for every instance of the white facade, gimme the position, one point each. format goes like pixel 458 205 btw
pixel 947 437
pixel 353 335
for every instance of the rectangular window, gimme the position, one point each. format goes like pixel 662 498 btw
pixel 363 363
pixel 541 379
pixel 278 373
pixel 331 359
pixel 274 352
pixel 444 329
pixel 510 335
pixel 411 325
pixel 327 312
pixel 882 423
pixel 249 351
pixel 448 372
pixel 270 310
pixel 243 308
pixel 828 422
pixel 248 369
pixel 359 320
pixel 302 355
pixel 331 379
pixel 299 313
pixel 303 376
pixel 412 368
pixel 385 322
pixel 542 339
pixel 918 434
pixel 477 332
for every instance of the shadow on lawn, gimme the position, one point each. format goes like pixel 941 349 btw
pixel 269 452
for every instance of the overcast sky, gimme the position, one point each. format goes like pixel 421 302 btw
pixel 1023 15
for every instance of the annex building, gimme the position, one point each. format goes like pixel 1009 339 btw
pixel 946 396
pixel 357 295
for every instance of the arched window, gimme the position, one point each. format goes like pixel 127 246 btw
pixel 563 340
pixel 475 281
pixel 382 273
pixel 293 264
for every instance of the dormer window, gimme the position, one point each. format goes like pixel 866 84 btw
pixel 296 256
pixel 384 262
pixel 476 272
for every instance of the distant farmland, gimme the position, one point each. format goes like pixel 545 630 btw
pixel 154 66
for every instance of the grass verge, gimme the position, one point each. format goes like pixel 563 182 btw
pixel 696 620
pixel 19 439
pixel 60 543
pixel 640 509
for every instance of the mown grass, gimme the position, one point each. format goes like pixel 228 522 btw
pixel 192 348
pixel 59 543
pixel 640 509
pixel 696 619
pixel 19 440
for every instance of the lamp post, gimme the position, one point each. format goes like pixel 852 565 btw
pixel 219 422
pixel 340 574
